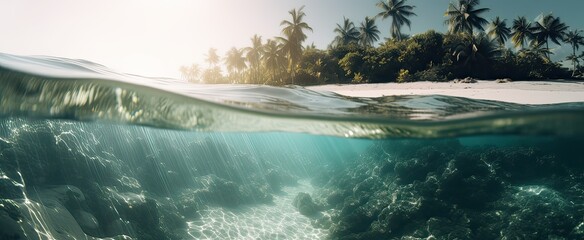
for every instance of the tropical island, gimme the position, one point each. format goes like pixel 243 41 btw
pixel 473 47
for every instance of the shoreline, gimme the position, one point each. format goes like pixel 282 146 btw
pixel 522 92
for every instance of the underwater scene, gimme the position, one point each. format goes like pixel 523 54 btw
pixel 88 153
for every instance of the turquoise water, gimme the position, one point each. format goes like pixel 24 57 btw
pixel 88 153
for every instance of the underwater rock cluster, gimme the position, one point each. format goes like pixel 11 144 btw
pixel 59 180
pixel 53 184
pixel 440 189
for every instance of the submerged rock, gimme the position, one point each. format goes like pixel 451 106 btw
pixel 9 220
pixel 86 220
pixel 305 205
pixel 10 189
pixel 469 181
pixel 537 212
pixel 219 191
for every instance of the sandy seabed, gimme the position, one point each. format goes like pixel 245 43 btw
pixel 523 92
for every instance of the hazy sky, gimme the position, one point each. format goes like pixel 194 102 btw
pixel 154 38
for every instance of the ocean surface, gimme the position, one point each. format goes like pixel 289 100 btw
pixel 89 153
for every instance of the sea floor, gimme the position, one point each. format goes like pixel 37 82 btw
pixel 279 220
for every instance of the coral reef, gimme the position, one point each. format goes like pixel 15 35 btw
pixel 441 189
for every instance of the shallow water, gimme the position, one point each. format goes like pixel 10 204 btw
pixel 88 153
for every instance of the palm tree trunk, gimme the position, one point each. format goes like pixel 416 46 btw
pixel 547 47
pixel 574 60
pixel 291 68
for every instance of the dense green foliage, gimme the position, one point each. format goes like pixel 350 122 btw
pixel 468 49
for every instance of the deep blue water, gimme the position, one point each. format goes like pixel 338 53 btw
pixel 88 153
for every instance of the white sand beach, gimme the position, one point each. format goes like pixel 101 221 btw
pixel 523 92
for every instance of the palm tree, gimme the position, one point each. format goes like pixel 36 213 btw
pixel 575 59
pixel 293 37
pixel 476 49
pixel 499 31
pixel 536 49
pixel 212 57
pixel 311 46
pixel 548 28
pixel 191 73
pixel 574 38
pixel 399 13
pixel 253 56
pixel 521 32
pixel 475 53
pixel 368 32
pixel 346 34
pixel 464 17
pixel 273 58
pixel 213 73
pixel 235 63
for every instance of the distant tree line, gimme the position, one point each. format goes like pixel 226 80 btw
pixel 472 47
